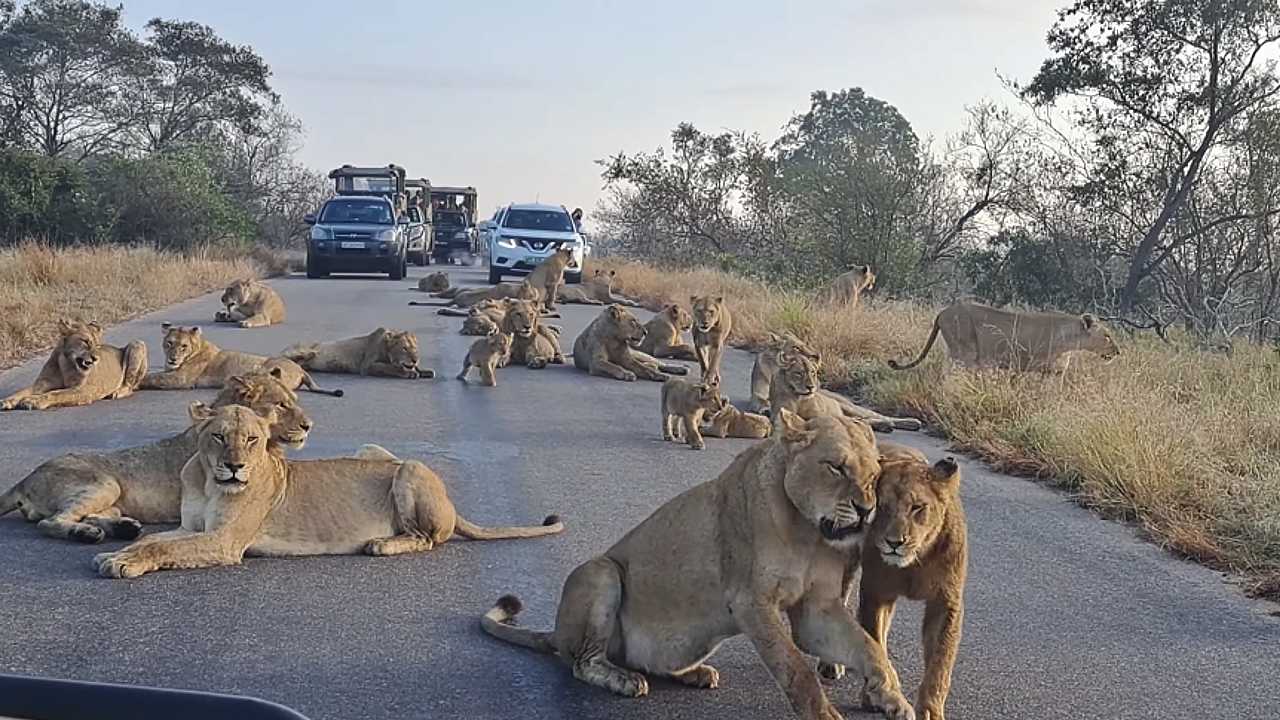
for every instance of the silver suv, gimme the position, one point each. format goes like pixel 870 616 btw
pixel 519 237
pixel 357 233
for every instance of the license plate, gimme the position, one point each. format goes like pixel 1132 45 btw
pixel 353 245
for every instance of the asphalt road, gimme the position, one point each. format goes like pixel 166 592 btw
pixel 1068 616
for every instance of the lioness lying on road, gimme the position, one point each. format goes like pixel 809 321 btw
pixel 465 298
pixel 768 537
pixel 795 387
pixel 252 304
pixel 240 496
pixel 381 353
pixel 191 361
pixel 90 496
pixel 664 334
pixel 982 336
pixel 436 282
pixel 598 290
pixel 533 343
pixel 607 348
pixel 82 369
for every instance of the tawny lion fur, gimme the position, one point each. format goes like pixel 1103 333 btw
pixel 192 361
pixel 683 406
pixel 607 347
pixel 81 370
pixel 664 334
pixel 251 304
pixel 382 353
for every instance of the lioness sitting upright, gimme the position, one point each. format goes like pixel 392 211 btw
pixel 607 348
pixel 664 334
pixel 90 496
pixel 240 495
pixel 82 369
pixel 191 361
pixel 533 343
pixel 252 304
pixel 549 275
pixel 683 406
pixel 381 353
pixel 768 537
pixel 982 336
pixel 712 324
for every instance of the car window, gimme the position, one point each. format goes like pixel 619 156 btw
pixel 356 211
pixel 415 215
pixel 550 220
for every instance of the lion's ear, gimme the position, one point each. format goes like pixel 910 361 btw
pixel 719 299
pixel 199 412
pixel 946 472
pixel 1089 321
pixel 794 431
pixel 277 372
pixel 615 310
pixel 195 331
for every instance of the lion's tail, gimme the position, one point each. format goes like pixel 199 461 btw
pixel 500 623
pixel 467 529
pixel 453 312
pixel 10 500
pixel 309 383
pixel 928 345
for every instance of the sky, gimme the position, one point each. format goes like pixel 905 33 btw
pixel 521 98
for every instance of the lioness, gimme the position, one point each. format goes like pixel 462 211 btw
pixel 847 289
pixel 728 421
pixel 82 369
pixel 191 361
pixel 596 291
pixel 664 334
pixel 795 387
pixel 533 344
pixel 766 365
pixel 486 355
pixel 90 496
pixel 769 536
pixel 683 406
pixel 549 275
pixel 982 336
pixel 436 282
pixel 252 304
pixel 381 353
pixel 239 495
pixel 712 324
pixel 484 317
pixel 523 290
pixel 917 548
pixel 607 348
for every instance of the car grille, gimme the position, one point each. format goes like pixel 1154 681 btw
pixel 352 235
pixel 538 244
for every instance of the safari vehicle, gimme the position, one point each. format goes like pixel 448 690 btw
pixel 421 239
pixel 454 212
pixel 358 233
pixel 520 237
pixel 387 181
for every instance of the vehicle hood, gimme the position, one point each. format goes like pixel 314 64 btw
pixel 562 235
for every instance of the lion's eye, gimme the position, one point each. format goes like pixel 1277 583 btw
pixel 281 406
pixel 252 440
pixel 835 469
pixel 917 510
pixel 219 439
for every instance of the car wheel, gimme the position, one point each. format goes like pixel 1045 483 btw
pixel 397 270
pixel 426 257
pixel 573 278
pixel 316 268
pixel 495 275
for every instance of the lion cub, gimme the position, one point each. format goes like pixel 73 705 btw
pixel 683 405
pixel 485 355
pixel 729 421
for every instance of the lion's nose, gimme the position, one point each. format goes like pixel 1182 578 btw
pixel 305 425
pixel 234 467
pixel 894 544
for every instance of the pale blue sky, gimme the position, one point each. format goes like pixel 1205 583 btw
pixel 519 98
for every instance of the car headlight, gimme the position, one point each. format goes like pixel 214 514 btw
pixel 321 233
pixel 386 235
pixel 506 242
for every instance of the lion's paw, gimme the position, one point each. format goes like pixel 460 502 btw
pixel 115 565
pixel 627 376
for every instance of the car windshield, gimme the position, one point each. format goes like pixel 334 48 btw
pixel 450 219
pixel 370 212
pixel 552 220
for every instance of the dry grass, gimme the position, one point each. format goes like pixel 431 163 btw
pixel 1184 443
pixel 39 284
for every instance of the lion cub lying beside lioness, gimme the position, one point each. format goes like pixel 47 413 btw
pixel 241 496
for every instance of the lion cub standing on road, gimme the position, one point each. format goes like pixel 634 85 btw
pixel 664 334
pixel 486 355
pixel 381 353
pixel 191 361
pixel 683 406
pixel 712 324
pixel 240 496
pixel 252 304
pixel 82 369
pixel 770 537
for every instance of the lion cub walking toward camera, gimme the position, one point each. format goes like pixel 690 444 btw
pixel 82 369
pixel 486 355
pixel 683 406
pixel 769 537
pixel 252 304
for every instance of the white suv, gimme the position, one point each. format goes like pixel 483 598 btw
pixel 519 237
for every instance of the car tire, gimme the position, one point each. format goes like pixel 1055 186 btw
pixel 316 268
pixel 397 270
pixel 495 275
pixel 418 258
pixel 573 278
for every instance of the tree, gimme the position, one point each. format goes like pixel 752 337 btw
pixel 64 65
pixel 199 81
pixel 1172 75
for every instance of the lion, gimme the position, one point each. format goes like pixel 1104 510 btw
pixel 664 334
pixel 607 348
pixel 795 387
pixel 548 276
pixel 683 406
pixel 768 537
pixel 486 355
pixel 766 365
pixel 596 291
pixel 483 318
pixel 91 496
pixel 847 289
pixel 191 361
pixel 533 343
pixel 82 369
pixel 241 496
pixel 917 548
pixel 982 336
pixel 381 353
pixel 252 304
pixel 523 290
pixel 436 282
pixel 712 324
pixel 728 421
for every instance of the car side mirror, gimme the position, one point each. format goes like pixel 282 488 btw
pixel 309 218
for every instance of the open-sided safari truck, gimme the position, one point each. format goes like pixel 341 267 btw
pixel 453 211
pixel 387 181
pixel 419 209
